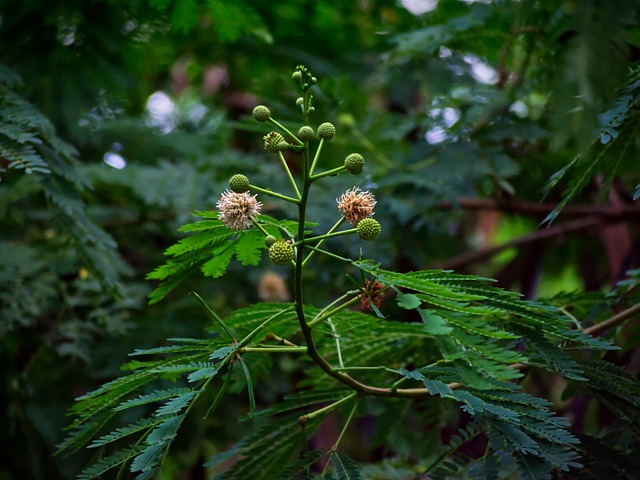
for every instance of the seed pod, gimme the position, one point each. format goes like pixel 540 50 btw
pixel 326 131
pixel 369 229
pixel 269 240
pixel 354 163
pixel 261 113
pixel 239 183
pixel 281 252
pixel 306 133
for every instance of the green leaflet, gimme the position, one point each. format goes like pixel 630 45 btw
pixel 249 247
pixel 165 431
pixel 148 458
pixel 210 248
pixel 152 397
pixel 344 467
pixel 118 433
pixel 107 463
pixel 270 448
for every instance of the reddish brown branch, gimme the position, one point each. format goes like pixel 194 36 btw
pixel 475 256
pixel 542 209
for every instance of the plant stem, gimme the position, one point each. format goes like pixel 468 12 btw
pixel 379 368
pixel 346 424
pixel 336 335
pixel 286 169
pixel 334 448
pixel 274 194
pixel 613 321
pixel 333 171
pixel 328 314
pixel 331 230
pixel 260 227
pixel 335 302
pixel 316 157
pixel 329 254
pixel 215 316
pixel 328 408
pixel 274 349
pixel 286 130
pixel 329 235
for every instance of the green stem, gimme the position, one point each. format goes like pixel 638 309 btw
pixel 394 386
pixel 331 230
pixel 328 235
pixel 274 194
pixel 336 335
pixel 333 171
pixel 319 319
pixel 335 302
pixel 328 408
pixel 259 328
pixel 329 254
pixel 316 157
pixel 274 349
pixel 215 316
pixel 260 227
pixel 379 368
pixel 286 168
pixel 334 448
pixel 286 130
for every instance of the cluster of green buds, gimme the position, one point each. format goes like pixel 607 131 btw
pixel 239 209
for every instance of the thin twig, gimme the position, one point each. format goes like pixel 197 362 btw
pixel 608 212
pixel 476 256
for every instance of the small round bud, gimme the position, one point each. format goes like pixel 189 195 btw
pixel 354 163
pixel 305 86
pixel 297 76
pixel 306 133
pixel 270 240
pixel 299 101
pixel 326 131
pixel 239 183
pixel 271 141
pixel 281 252
pixel 261 113
pixel 283 146
pixel 312 109
pixel 368 229
pixel 346 120
pixel 314 80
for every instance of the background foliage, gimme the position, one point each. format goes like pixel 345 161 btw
pixel 464 113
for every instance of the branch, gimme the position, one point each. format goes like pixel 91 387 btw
pixel 608 212
pixel 472 257
pixel 613 321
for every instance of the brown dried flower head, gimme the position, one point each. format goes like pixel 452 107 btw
pixel 372 293
pixel 356 205
pixel 238 210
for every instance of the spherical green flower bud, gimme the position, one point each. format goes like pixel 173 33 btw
pixel 239 183
pixel 346 120
pixel 312 109
pixel 326 131
pixel 354 163
pixel 314 80
pixel 281 252
pixel 283 146
pixel 306 133
pixel 369 229
pixel 270 240
pixel 271 141
pixel 261 113
pixel 299 101
pixel 297 76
